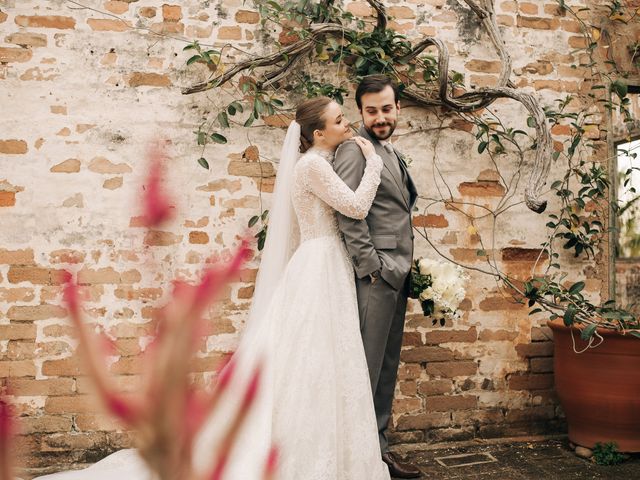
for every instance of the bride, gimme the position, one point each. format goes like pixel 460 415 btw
pixel 315 400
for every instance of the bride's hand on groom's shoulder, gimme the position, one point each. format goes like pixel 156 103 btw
pixel 368 150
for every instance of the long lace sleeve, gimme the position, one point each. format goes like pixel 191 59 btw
pixel 327 185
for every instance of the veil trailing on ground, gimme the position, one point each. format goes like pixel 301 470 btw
pixel 247 460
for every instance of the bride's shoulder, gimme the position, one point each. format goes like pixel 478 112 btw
pixel 308 158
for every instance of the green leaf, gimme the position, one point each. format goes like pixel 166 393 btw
pixel 216 137
pixel 223 119
pixel 249 121
pixel 203 163
pixel 588 331
pixel 576 288
pixel 482 146
pixel 202 138
pixel 635 333
pixel 569 315
pixel 253 220
pixel 619 88
pixel 193 59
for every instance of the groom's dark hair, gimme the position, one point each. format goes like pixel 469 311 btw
pixel 375 84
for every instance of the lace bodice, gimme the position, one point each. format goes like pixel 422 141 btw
pixel 318 192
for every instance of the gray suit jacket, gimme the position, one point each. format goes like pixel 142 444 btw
pixel 384 239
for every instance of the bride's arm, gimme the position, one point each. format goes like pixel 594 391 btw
pixel 326 184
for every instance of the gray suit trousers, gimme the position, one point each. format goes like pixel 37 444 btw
pixel 382 310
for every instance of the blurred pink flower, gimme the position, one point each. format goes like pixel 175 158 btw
pixel 7 427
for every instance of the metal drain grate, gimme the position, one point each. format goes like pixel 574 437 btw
pixel 465 459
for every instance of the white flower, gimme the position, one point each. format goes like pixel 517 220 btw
pixel 448 286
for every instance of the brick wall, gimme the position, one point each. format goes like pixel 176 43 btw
pixel 82 94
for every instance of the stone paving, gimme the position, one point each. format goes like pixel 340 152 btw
pixel 536 459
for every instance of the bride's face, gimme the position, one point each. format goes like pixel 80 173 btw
pixel 336 128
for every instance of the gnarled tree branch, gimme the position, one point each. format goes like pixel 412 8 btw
pixel 467 102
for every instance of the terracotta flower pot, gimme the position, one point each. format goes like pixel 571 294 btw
pixel 599 389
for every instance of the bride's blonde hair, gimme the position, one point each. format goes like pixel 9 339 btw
pixel 310 117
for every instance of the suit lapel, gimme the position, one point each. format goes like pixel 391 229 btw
pixel 387 158
pixel 411 186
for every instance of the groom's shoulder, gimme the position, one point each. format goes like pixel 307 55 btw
pixel 348 148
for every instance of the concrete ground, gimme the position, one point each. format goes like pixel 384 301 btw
pixel 512 459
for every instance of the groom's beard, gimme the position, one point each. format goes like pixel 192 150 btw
pixel 381 133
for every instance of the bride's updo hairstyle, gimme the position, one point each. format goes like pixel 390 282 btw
pixel 309 116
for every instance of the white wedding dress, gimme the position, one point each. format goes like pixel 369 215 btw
pixel 317 407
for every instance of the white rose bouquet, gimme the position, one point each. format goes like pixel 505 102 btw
pixel 440 287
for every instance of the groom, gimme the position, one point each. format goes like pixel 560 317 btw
pixel 381 249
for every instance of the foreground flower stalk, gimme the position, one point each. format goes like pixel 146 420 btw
pixel 6 434
pixel 169 411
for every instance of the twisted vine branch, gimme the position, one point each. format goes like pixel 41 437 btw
pixel 467 102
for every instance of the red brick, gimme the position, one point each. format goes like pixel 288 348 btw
pixel 71 165
pixel 535 349
pixel 245 293
pixel 538 23
pixel 481 189
pixel 66 367
pixel 45 424
pixel 108 25
pixel 435 387
pixel 452 369
pixel 430 221
pixel 247 16
pixel 72 404
pixel 171 13
pixel 436 337
pixel 7 199
pixel 147 12
pixel 142 79
pixel 35 275
pixel 16 257
pixel 13 147
pixel 496 303
pixel 66 255
pixel 48 21
pixel 497 335
pixel 156 238
pixel 199 237
pixel 17 368
pixel 542 365
pixel 87 276
pixel 426 354
pixel 25 39
pixel 31 387
pixel 484 66
pixel 531 414
pixel 424 421
pixel 513 254
pixel 117 7
pixel 229 33
pixel 15 331
pixel 446 403
pixel 525 381
pixel 35 312
pixel 143 294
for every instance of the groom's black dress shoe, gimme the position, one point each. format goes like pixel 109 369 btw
pixel 399 469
